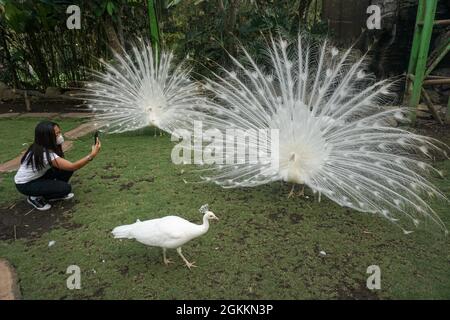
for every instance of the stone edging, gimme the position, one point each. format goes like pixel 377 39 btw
pixel 9 289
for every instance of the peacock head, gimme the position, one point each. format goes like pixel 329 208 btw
pixel 302 148
pixel 154 103
pixel 204 209
pixel 155 113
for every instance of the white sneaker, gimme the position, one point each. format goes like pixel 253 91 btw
pixel 66 197
pixel 39 203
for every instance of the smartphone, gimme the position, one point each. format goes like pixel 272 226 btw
pixel 95 137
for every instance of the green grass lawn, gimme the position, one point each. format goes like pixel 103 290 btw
pixel 265 246
pixel 18 133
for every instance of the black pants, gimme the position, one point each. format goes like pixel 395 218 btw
pixel 52 185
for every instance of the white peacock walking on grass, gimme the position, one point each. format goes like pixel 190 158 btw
pixel 138 90
pixel 170 232
pixel 335 134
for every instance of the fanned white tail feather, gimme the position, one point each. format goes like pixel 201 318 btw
pixel 336 134
pixel 138 90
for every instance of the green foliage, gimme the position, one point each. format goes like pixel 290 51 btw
pixel 39 51
pixel 26 16
pixel 205 31
pixel 106 7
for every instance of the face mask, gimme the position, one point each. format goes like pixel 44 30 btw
pixel 59 139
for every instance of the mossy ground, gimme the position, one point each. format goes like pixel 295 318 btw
pixel 265 246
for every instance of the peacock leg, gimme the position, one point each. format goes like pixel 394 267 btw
pixel 292 191
pixel 301 193
pixel 188 264
pixel 166 261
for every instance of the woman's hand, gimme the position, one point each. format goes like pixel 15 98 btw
pixel 64 164
pixel 96 148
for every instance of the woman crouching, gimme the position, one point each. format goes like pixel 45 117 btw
pixel 44 173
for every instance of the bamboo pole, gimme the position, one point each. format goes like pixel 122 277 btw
pixel 154 27
pixel 448 111
pixel 427 9
pixel 434 82
pixel 438 22
pixel 443 52
pixel 431 107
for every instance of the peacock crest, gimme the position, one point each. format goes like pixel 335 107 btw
pixel 204 208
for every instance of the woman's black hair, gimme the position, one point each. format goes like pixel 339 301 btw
pixel 44 142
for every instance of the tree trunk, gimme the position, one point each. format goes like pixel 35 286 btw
pixel 37 60
pixel 303 8
pixel 27 101
pixel 230 26
pixel 11 64
pixel 113 39
pixel 120 27
pixel 221 7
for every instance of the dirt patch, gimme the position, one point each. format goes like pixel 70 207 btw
pixel 359 293
pixel 276 216
pixel 432 129
pixel 295 218
pixel 126 186
pixel 113 177
pixel 22 221
pixel 123 270
pixel 148 179
pixel 108 166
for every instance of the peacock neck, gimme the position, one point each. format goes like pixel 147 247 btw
pixel 205 226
